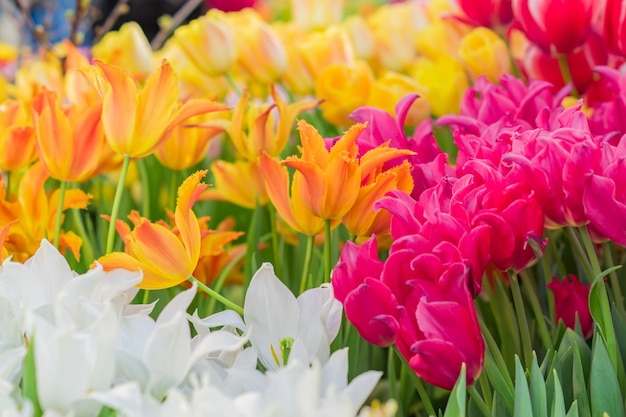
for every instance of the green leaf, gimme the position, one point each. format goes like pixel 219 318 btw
pixel 558 404
pixel 538 390
pixel 458 397
pixel 523 406
pixel 29 379
pixel 573 410
pixel 601 312
pixel 579 385
pixel 565 359
pixel 499 407
pixel 498 382
pixel 603 385
pixel 572 339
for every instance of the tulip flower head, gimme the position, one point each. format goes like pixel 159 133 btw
pixel 570 303
pixel 165 258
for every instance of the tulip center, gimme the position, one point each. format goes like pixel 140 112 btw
pixel 285 350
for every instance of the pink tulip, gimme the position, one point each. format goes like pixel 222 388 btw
pixel 490 13
pixel 556 26
pixel 230 5
pixel 369 304
pixel 605 195
pixel 570 301
pixel 614 26
pixel 439 330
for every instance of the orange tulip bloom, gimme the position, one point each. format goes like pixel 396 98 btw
pixel 238 182
pixel 35 213
pixel 136 122
pixel 17 139
pixel 263 134
pixel 214 256
pixel 69 142
pixel 189 144
pixel 289 205
pixel 165 257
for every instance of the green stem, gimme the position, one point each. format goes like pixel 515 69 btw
pixel 145 188
pixel 232 83
pixel 522 320
pixel 327 244
pixel 173 189
pixel 7 175
pixel 496 354
pixel 216 295
pixel 591 252
pixel 580 253
pixel 417 383
pixel 116 204
pixel 87 245
pixel 478 400
pixel 146 297
pixel 59 214
pixel 307 262
pixel 391 377
pixel 277 265
pixel 544 333
pixel 615 288
pixel 566 73
pixel 221 279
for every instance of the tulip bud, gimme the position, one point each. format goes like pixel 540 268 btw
pixel 322 49
pixel 570 301
pixel 343 88
pixel 316 14
pixel 209 43
pixel 127 48
pixel 483 52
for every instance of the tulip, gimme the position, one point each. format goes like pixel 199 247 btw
pixel 316 14
pixel 393 49
pixel 322 49
pixel 69 143
pixel 483 52
pixel 136 123
pixel 360 35
pixel 287 200
pixel 390 88
pixel 165 258
pixel 614 26
pixel 17 139
pixel 238 182
pixel 37 210
pixel 264 133
pixel 343 88
pixel 298 77
pixel 262 56
pixel 127 48
pixel 571 303
pixel 493 14
pixel 369 304
pixel 189 144
pixel 556 26
pixel 444 81
pixel 209 43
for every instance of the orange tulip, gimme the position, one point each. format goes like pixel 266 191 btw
pixel 166 258
pixel 36 211
pixel 17 139
pixel 135 122
pixel 214 256
pixel 289 205
pixel 263 135
pixel 69 142
pixel 330 180
pixel 189 144
pixel 238 182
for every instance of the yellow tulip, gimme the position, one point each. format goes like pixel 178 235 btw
pixel 238 182
pixel 127 48
pixel 343 88
pixel 360 35
pixel 316 14
pixel 445 82
pixel 298 77
pixel 483 52
pixel 322 49
pixel 390 88
pixel 208 42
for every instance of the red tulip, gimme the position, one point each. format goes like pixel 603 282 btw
pixel 369 304
pixel 571 300
pixel 614 26
pixel 556 26
pixel 489 13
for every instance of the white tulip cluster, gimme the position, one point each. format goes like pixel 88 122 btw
pixel 94 353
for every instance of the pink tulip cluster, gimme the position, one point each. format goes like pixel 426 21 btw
pixel 525 163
